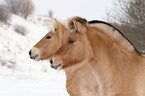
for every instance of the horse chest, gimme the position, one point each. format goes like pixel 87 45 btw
pixel 81 82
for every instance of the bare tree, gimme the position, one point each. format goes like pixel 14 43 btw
pixel 27 8
pixel 13 6
pixel 130 15
pixel 4 13
pixel 20 7
pixel 50 13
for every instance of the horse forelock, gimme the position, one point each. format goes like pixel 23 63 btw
pixel 70 23
pixel 79 19
pixel 53 25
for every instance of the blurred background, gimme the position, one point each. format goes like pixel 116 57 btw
pixel 24 22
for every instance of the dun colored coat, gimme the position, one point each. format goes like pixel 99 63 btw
pixel 118 69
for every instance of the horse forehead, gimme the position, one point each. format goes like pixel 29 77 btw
pixel 76 35
pixel 50 33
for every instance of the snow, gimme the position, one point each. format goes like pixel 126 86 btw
pixel 32 84
pixel 19 75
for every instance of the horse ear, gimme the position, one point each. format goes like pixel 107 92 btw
pixel 58 24
pixel 78 26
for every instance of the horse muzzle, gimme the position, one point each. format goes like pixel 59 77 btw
pixel 34 54
pixel 53 65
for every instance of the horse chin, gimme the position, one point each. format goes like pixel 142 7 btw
pixel 37 59
pixel 56 66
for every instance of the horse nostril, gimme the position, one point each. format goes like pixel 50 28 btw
pixel 51 61
pixel 30 52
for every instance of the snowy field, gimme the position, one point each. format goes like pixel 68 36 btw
pixel 15 83
pixel 19 75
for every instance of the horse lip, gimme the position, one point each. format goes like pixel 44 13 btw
pixel 34 57
pixel 55 67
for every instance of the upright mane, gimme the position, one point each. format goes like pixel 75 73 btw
pixel 114 33
pixel 107 28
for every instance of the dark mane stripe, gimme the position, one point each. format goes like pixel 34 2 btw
pixel 97 21
pixel 102 22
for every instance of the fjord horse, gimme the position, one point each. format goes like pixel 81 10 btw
pixel 77 84
pixel 50 43
pixel 118 68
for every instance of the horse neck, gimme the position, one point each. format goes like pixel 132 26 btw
pixel 112 61
pixel 104 46
pixel 111 51
pixel 73 78
pixel 72 69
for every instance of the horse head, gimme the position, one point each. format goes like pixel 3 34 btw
pixel 50 43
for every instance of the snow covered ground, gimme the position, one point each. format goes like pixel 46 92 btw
pixel 19 75
pixel 32 84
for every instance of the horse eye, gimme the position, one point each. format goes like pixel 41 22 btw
pixel 71 41
pixel 48 37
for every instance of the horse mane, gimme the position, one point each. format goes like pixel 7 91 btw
pixel 105 27
pixel 114 33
